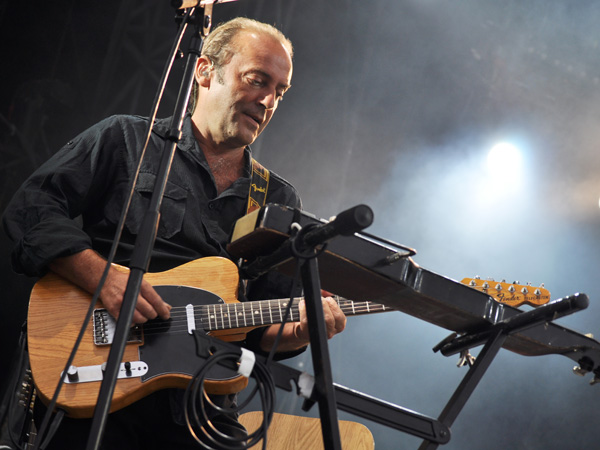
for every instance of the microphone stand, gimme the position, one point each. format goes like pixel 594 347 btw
pixel 305 247
pixel 140 258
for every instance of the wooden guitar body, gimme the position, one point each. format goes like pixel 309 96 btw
pixel 57 309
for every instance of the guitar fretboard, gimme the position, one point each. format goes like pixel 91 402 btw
pixel 224 316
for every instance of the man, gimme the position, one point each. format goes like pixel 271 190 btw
pixel 241 77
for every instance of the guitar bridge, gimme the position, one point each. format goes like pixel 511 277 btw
pixel 105 326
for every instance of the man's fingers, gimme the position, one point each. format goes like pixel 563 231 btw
pixel 335 319
pixel 159 307
pixel 149 304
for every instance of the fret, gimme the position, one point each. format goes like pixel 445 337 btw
pixel 252 313
pixel 217 315
pixel 260 313
pixel 205 317
pixel 237 315
pixel 270 313
pixel 229 315
pixel 280 313
pixel 368 306
pixel 213 316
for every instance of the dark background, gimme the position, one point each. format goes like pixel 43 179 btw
pixel 395 103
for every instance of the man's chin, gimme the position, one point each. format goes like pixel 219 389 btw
pixel 247 137
pixel 242 140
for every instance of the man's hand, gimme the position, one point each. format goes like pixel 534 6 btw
pixel 296 335
pixel 335 320
pixel 85 270
pixel 149 304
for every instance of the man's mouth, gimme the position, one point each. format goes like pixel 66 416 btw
pixel 257 118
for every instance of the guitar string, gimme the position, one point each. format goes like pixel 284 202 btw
pixel 178 322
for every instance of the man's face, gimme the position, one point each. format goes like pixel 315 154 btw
pixel 244 94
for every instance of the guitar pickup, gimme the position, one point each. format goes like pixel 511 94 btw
pixel 105 326
pixel 87 374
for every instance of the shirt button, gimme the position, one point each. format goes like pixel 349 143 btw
pixel 211 206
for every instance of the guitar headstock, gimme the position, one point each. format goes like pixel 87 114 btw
pixel 512 294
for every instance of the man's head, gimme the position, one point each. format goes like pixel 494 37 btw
pixel 244 70
pixel 219 46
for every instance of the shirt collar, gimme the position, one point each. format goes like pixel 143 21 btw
pixel 189 144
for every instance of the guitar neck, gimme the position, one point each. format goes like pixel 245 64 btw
pixel 267 312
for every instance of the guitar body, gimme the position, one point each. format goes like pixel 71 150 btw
pixel 57 309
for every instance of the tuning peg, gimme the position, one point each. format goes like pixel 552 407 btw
pixel 524 291
pixel 472 283
pixel 537 292
pixel 477 277
pixel 578 370
pixel 516 282
pixel 498 287
pixel 511 289
pixel 486 285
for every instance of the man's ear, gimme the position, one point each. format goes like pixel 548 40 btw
pixel 204 67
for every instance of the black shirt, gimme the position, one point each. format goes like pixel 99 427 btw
pixel 74 201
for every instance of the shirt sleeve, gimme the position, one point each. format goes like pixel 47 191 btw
pixel 43 219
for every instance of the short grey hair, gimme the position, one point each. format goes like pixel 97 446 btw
pixel 219 45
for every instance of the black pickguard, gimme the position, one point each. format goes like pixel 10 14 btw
pixel 169 351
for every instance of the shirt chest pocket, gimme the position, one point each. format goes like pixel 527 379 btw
pixel 172 208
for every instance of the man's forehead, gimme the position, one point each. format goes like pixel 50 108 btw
pixel 259 43
pixel 257 52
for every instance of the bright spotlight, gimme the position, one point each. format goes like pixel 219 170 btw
pixel 504 159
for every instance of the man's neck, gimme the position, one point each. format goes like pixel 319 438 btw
pixel 226 164
pixel 226 168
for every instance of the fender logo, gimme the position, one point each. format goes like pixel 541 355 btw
pixel 257 189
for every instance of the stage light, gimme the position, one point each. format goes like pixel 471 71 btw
pixel 504 159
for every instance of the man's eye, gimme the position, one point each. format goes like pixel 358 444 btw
pixel 255 81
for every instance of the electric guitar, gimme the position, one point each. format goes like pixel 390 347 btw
pixel 159 354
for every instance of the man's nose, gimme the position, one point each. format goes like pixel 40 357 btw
pixel 269 101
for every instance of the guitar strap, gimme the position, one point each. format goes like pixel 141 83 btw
pixel 259 184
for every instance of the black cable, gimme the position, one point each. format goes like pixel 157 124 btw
pixel 295 282
pixel 195 394
pixel 200 423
